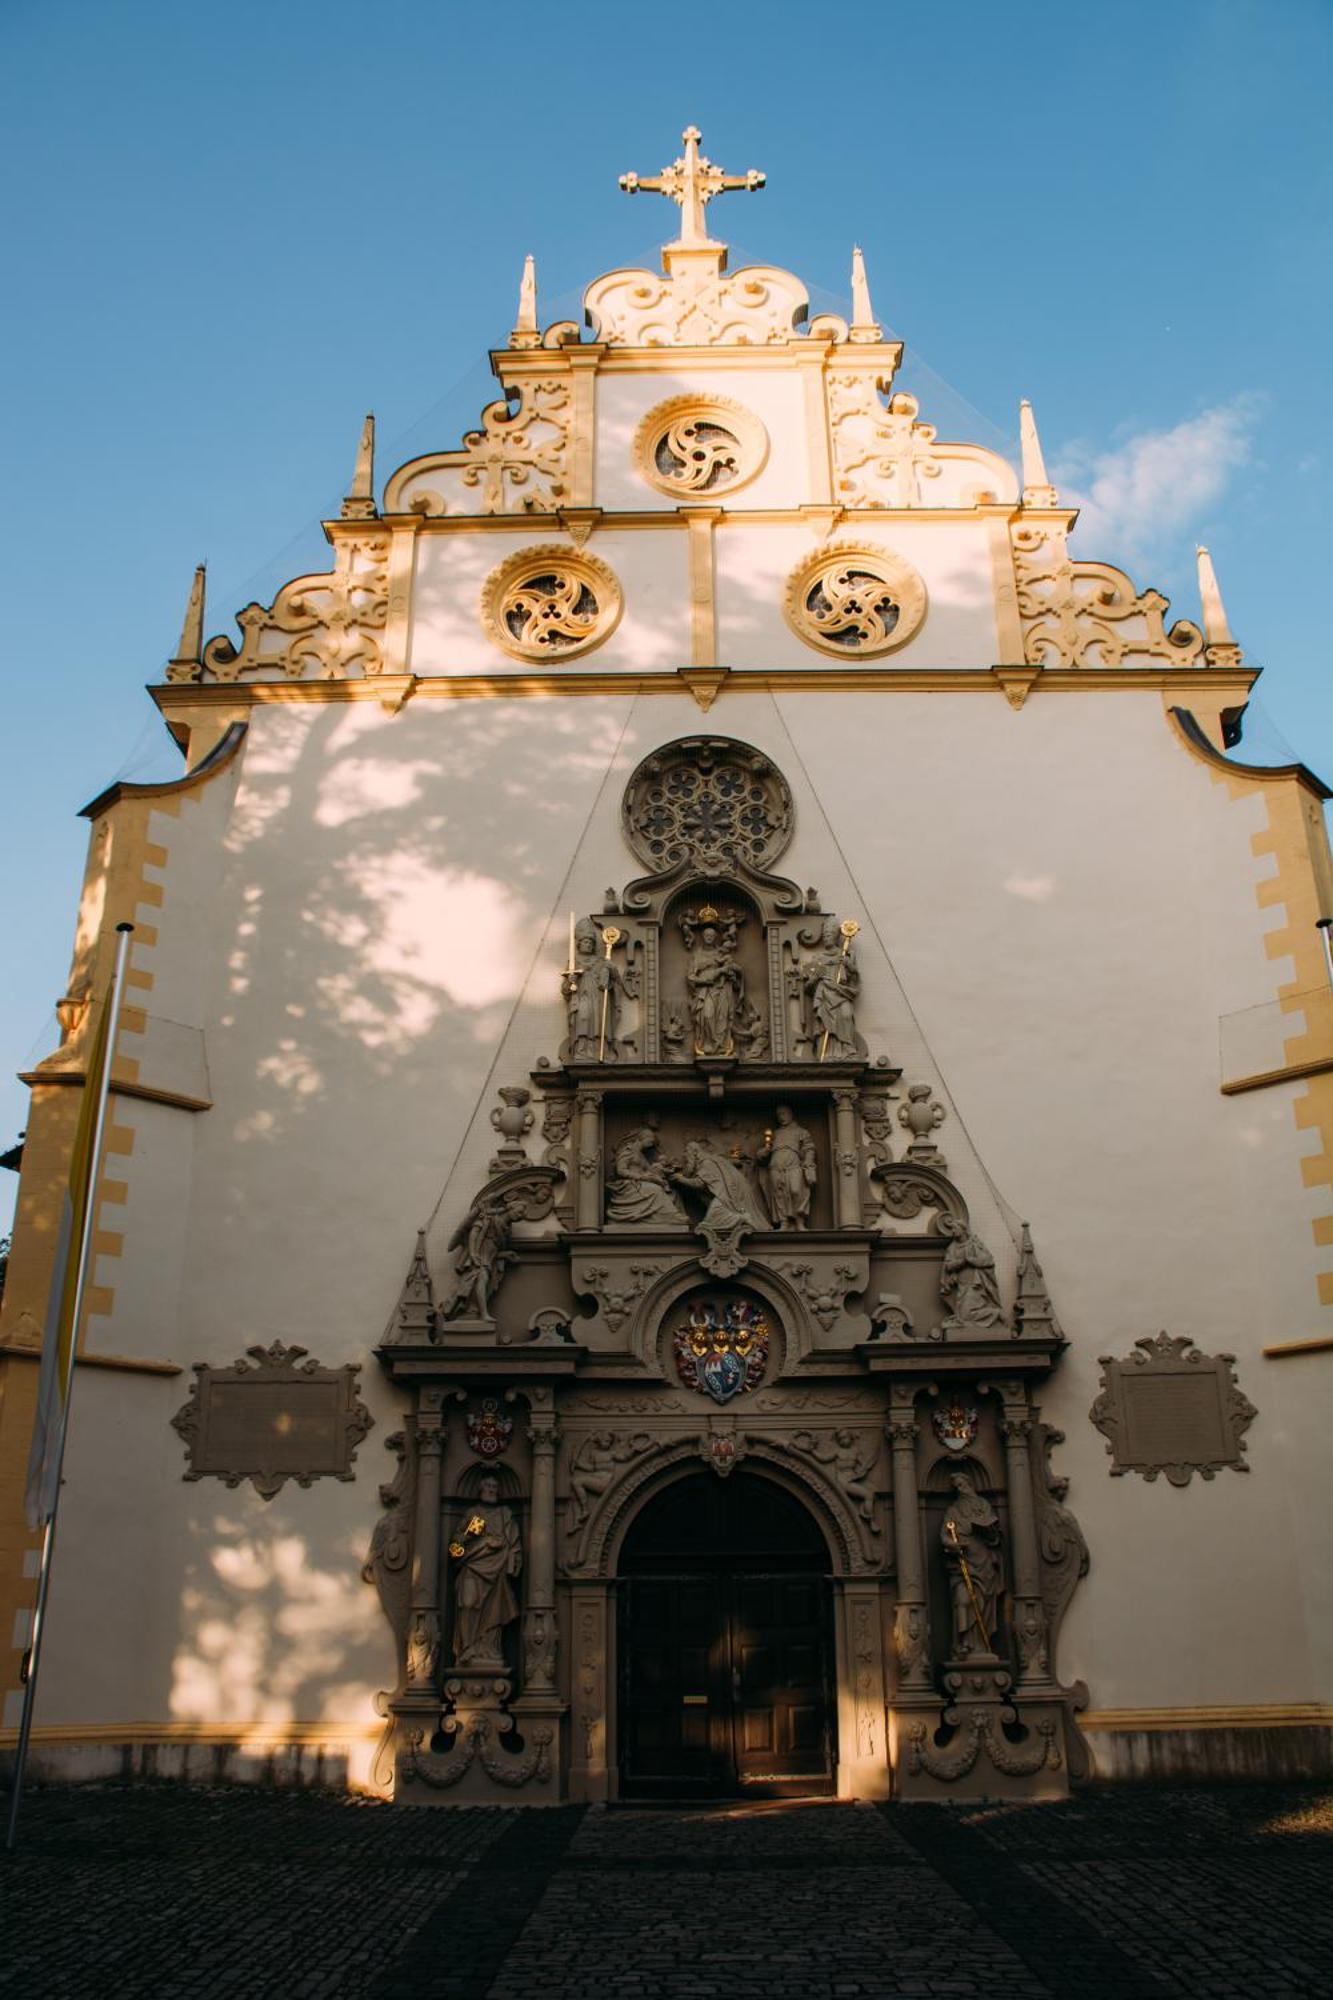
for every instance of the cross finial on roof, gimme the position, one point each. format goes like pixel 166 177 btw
pixel 692 181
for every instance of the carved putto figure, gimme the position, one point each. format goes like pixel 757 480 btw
pixel 787 1169
pixel 714 980
pixel 639 1194
pixel 595 988
pixel 595 1466
pixel 967 1280
pixel 970 1539
pixel 849 1465
pixel 829 983
pixel 488 1553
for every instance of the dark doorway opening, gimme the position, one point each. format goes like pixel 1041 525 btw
pixel 724 1645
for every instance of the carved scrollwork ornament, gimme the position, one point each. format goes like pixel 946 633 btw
pixel 550 603
pixel 698 446
pixel 854 600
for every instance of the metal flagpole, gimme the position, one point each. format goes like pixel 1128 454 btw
pixel 85 1259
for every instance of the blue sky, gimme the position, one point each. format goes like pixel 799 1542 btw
pixel 229 231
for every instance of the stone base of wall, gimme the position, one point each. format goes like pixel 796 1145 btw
pixel 1196 1748
pixel 329 1762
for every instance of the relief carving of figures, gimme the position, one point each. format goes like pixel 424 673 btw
pixel 850 1457
pixel 596 1466
pixel 488 1557
pixel 732 1210
pixel 594 988
pixel 423 1649
pixel 826 984
pixel 787 1170
pixel 639 1194
pixel 714 980
pixel 970 1540
pixel 967 1279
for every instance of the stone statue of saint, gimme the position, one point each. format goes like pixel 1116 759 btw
pixel 724 1183
pixel 594 976
pixel 714 981
pixel 639 1195
pixel 488 1554
pixel 482 1243
pixel 832 982
pixel 787 1166
pixel 967 1281
pixel 970 1539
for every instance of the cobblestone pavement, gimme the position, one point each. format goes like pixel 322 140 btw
pixel 1219 1892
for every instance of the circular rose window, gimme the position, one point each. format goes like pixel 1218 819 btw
pixel 855 600
pixel 698 447
pixel 550 603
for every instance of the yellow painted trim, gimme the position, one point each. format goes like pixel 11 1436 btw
pixel 392 690
pixel 257 1735
pixel 123 1364
pixel 667 516
pixel 148 1093
pixel 1323 1345
pixel 1267 1715
pixel 1290 1072
pixel 703 587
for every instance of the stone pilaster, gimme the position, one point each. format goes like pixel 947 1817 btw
pixel 911 1626
pixel 540 1635
pixel 423 1636
pixel 846 1162
pixel 588 1153
pixel 1029 1616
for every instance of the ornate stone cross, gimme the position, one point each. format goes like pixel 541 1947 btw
pixel 690 182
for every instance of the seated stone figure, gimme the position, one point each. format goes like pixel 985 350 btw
pixel 639 1196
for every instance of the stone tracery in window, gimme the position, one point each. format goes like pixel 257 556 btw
pixel 550 603
pixel 710 801
pixel 855 600
pixel 699 445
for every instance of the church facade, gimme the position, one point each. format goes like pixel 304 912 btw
pixel 719 1181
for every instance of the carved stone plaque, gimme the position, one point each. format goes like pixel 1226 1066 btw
pixel 1170 1408
pixel 275 1417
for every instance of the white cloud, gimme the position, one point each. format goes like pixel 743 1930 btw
pixel 1156 487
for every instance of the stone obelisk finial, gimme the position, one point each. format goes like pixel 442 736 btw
pixel 864 327
pixel 1037 488
pixel 1220 648
pixel 186 664
pixel 526 333
pixel 360 502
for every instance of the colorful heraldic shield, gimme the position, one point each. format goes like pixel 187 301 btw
pixel 489 1429
pixel 956 1425
pixel 722 1349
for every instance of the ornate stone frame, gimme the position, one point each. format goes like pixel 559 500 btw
pixel 749 432
pixel 332 1390
pixel 537 561
pixel 893 570
pixel 675 851
pixel 1163 1358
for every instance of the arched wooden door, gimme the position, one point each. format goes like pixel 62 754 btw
pixel 725 1651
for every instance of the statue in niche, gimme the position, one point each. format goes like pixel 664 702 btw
pixel 596 1465
pixel 970 1539
pixel 595 988
pixel 732 1211
pixel 787 1169
pixel 676 1032
pixel 488 1553
pixel 482 1242
pixel 639 1194
pixel 713 979
pixel 967 1279
pixel 829 984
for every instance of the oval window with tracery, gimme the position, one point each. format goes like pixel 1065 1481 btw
pixel 697 445
pixel 550 603
pixel 854 600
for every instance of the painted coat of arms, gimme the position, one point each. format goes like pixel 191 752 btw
pixel 955 1425
pixel 723 1348
pixel 489 1429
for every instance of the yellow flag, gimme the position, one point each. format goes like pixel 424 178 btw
pixel 58 1338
